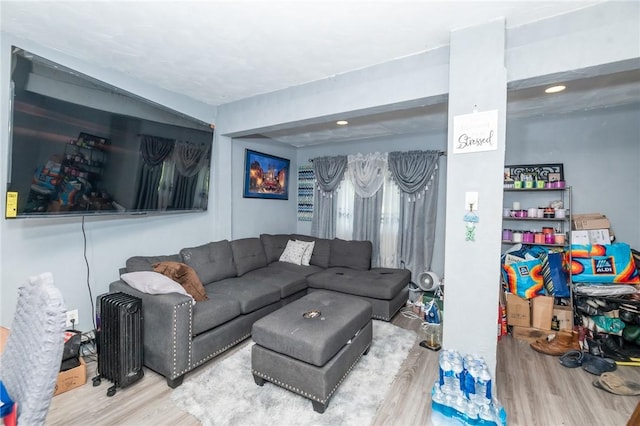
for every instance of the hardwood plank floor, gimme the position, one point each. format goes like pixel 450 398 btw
pixel 534 389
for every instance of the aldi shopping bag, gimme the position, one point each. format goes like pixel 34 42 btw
pixel 596 263
pixel 524 278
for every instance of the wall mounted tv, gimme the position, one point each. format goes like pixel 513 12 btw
pixel 79 146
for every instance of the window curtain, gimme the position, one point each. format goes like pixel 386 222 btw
pixel 416 175
pixel 390 224
pixel 329 172
pixel 367 174
pixel 189 161
pixel 344 222
pixel 154 151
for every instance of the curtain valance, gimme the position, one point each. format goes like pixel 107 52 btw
pixel 412 171
pixel 367 172
pixel 329 172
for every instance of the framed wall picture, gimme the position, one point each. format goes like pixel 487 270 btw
pixel 265 176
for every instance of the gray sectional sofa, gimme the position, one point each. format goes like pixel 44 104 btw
pixel 244 281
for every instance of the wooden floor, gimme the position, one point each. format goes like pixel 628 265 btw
pixel 534 389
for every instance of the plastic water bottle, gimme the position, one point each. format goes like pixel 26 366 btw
pixel 483 387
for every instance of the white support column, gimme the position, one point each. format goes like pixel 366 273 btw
pixel 477 79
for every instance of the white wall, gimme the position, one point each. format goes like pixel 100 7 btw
pixel 436 140
pixel 33 246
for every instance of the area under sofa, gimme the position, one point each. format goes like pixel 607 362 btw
pixel 245 280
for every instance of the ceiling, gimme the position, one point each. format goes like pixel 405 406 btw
pixel 246 48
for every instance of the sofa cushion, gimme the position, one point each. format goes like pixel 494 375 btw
pixel 293 252
pixel 248 255
pixel 217 310
pixel 321 250
pixel 351 254
pixel 252 294
pixel 379 283
pixel 212 261
pixel 289 282
pixel 274 245
pixel 185 276
pixel 151 282
pixel 145 263
pixel 298 269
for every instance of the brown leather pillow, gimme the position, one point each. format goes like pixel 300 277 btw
pixel 185 275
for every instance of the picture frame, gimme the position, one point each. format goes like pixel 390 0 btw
pixel 266 176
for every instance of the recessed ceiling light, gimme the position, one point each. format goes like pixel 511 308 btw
pixel 555 89
pixel 342 122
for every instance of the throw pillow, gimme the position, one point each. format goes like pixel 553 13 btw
pixel 151 282
pixel 185 275
pixel 308 252
pixel 293 252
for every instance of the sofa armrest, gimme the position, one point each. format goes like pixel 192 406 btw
pixel 168 325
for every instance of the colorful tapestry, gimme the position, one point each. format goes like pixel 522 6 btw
pixel 306 179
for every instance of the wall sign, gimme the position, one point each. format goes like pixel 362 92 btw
pixel 475 132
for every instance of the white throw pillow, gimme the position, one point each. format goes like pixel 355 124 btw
pixel 308 251
pixel 293 252
pixel 151 282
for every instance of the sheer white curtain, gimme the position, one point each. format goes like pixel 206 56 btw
pixel 370 183
pixel 344 224
pixel 390 224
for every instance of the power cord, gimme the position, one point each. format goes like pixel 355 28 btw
pixel 86 261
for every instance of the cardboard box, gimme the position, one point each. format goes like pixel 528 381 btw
pixel 72 378
pixel 590 221
pixel 518 311
pixel 591 236
pixel 528 334
pixel 541 312
pixel 564 315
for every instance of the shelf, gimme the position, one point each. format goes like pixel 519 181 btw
pixel 535 244
pixel 537 219
pixel 534 189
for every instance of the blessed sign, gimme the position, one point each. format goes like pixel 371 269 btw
pixel 475 132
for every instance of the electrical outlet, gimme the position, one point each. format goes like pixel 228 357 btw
pixel 72 318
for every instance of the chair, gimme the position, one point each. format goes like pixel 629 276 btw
pixel 31 359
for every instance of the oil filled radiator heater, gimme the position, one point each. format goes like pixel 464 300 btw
pixel 119 328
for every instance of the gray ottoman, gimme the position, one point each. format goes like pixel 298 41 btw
pixel 310 345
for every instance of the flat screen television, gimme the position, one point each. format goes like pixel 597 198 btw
pixel 79 146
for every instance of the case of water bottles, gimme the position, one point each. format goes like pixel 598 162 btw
pixel 463 395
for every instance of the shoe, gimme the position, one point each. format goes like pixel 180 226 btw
pixel 617 385
pixel 586 308
pixel 597 365
pixel 611 348
pixel 572 359
pixel 563 342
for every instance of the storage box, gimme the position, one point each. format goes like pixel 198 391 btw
pixel 591 236
pixel 72 378
pixel 528 334
pixel 564 315
pixel 541 312
pixel 590 221
pixel 518 311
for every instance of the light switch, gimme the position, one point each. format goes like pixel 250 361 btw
pixel 471 201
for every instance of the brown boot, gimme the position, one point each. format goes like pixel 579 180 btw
pixel 563 342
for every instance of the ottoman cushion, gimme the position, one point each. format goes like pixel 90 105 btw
pixel 313 340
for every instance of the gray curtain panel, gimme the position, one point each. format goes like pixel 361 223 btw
pixel 416 174
pixel 154 151
pixel 367 173
pixel 190 159
pixel 329 172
